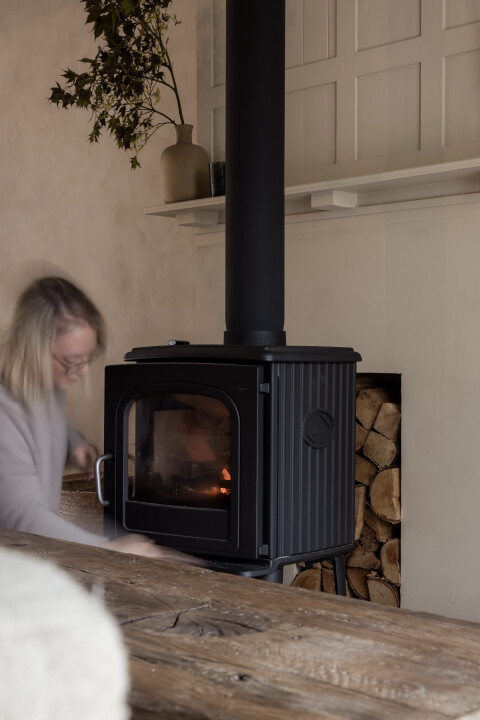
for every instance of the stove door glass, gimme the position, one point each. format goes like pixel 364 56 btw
pixel 180 451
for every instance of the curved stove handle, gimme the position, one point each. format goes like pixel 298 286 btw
pixel 96 474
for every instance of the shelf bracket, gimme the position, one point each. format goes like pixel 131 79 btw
pixel 331 199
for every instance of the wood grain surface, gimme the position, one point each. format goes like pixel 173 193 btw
pixel 206 645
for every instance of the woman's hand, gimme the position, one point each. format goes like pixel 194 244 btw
pixel 84 457
pixel 141 545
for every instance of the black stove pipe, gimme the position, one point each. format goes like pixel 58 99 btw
pixel 254 158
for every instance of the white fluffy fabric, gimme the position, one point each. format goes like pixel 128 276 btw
pixel 61 652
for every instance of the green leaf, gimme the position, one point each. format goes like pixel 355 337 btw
pixel 69 75
pixel 127 6
pixel 56 94
pixel 121 83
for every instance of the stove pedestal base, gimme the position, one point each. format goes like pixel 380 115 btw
pixel 272 570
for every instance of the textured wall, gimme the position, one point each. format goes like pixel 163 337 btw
pixel 67 206
pixel 402 289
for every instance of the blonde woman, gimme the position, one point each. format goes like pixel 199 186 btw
pixel 55 333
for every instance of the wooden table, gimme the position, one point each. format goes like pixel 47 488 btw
pixel 208 645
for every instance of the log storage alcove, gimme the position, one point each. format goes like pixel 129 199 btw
pixel 205 645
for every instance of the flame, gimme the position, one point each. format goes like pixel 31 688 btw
pixel 227 477
pixel 216 490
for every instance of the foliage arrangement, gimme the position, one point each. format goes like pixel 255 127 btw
pixel 121 85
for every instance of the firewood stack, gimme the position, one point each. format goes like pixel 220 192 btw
pixel 373 568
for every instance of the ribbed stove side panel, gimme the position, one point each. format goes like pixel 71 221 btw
pixel 312 489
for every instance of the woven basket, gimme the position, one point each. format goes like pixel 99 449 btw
pixel 79 504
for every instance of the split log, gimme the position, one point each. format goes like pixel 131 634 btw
pixel 368 540
pixel 357 580
pixel 385 495
pixel 379 449
pixel 360 497
pixel 390 559
pixel 368 405
pixel 382 592
pixel 310 579
pixel 363 559
pixel 365 470
pixel 388 421
pixel 360 436
pixel 383 530
pixel 328 580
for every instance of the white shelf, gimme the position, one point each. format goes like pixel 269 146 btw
pixel 206 211
pixel 387 190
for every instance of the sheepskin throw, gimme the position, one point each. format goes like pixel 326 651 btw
pixel 61 652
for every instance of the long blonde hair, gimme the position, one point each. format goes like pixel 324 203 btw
pixel 49 307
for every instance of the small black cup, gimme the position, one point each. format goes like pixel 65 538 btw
pixel 217 178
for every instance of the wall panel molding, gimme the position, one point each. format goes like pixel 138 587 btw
pixel 371 85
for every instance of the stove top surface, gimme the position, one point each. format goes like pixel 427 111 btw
pixel 184 352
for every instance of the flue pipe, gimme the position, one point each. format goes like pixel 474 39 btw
pixel 254 158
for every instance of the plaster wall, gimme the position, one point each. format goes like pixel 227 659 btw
pixel 402 289
pixel 76 209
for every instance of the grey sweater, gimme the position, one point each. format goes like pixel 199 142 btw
pixel 34 445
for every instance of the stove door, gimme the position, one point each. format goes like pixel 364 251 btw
pixel 188 461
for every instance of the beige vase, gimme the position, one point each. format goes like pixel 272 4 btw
pixel 184 169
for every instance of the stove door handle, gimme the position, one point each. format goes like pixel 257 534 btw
pixel 96 474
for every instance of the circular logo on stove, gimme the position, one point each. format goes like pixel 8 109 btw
pixel 318 428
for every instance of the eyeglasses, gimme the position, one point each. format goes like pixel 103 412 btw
pixel 71 368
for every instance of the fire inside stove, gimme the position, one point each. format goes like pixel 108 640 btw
pixel 180 451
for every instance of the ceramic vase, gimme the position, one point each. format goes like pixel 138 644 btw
pixel 184 169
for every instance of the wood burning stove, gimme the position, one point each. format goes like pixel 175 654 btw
pixel 241 454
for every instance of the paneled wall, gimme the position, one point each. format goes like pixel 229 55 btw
pixel 371 85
